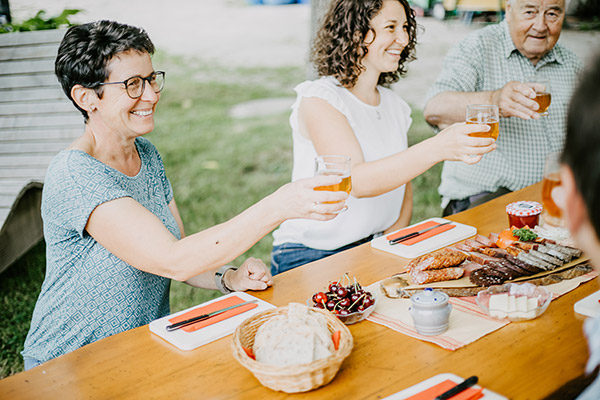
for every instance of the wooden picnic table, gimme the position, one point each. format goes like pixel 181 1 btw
pixel 526 360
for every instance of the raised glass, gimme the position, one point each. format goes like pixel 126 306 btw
pixel 487 114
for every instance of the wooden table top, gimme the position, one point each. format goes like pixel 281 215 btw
pixel 526 360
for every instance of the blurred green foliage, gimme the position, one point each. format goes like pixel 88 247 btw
pixel 40 22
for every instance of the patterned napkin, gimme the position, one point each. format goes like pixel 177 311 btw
pixel 422 236
pixel 468 322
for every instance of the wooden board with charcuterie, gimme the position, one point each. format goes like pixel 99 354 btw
pixel 465 268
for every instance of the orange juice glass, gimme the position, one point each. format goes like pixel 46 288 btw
pixel 334 165
pixel 487 114
pixel 551 185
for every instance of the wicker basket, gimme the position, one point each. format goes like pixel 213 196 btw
pixel 293 378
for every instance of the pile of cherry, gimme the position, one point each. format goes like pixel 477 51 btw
pixel 344 300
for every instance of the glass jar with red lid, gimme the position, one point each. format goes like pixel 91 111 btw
pixel 524 213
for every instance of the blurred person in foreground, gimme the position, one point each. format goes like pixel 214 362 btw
pixel 360 49
pixel 113 233
pixel 492 66
pixel 580 175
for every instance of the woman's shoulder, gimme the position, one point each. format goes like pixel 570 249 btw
pixel 326 85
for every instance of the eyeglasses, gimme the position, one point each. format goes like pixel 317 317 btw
pixel 136 85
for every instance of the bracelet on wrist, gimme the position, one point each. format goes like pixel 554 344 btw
pixel 220 279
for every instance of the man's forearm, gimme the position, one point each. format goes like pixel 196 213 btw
pixel 448 108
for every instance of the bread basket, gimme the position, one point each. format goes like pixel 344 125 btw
pixel 293 378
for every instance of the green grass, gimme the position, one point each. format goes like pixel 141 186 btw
pixel 218 166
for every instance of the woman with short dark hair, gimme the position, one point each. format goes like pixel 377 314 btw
pixel 113 233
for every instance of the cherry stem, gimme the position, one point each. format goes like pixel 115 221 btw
pixel 357 300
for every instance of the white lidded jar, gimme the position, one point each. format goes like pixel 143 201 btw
pixel 430 311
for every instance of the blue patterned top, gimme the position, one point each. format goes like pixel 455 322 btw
pixel 88 293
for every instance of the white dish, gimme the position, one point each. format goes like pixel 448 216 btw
pixel 421 386
pixel 191 340
pixel 528 301
pixel 456 234
pixel 588 306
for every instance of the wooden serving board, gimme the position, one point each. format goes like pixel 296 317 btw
pixel 464 282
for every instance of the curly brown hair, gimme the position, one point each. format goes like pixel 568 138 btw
pixel 339 47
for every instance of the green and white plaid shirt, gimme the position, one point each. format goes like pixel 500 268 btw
pixel 486 60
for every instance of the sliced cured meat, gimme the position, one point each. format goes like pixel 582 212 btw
pixel 493 237
pixel 513 250
pixel 436 275
pixel 538 262
pixel 470 266
pixel 437 260
pixel 481 258
pixel 573 252
pixel 473 243
pixel 526 245
pixel 509 272
pixel 485 241
pixel 515 267
pixel 532 269
pixel 487 277
pixel 463 247
pixel 494 252
pixel 554 253
pixel 546 257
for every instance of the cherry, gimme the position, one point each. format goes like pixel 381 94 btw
pixel 319 305
pixel 330 305
pixel 333 287
pixel 345 302
pixel 354 297
pixel 342 292
pixel 344 312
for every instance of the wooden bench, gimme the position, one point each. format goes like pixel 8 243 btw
pixel 36 122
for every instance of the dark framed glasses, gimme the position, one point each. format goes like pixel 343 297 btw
pixel 135 85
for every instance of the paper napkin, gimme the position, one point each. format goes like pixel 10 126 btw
pixel 417 228
pixel 434 391
pixel 217 305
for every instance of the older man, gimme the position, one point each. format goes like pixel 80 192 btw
pixel 580 176
pixel 492 66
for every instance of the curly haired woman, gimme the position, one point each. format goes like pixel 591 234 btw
pixel 360 49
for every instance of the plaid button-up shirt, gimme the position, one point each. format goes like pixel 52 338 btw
pixel 486 60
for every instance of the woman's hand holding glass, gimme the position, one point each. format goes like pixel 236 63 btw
pixel 334 165
pixel 299 199
pixel 455 143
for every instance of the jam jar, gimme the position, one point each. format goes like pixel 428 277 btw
pixel 523 213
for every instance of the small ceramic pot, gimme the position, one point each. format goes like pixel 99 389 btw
pixel 430 311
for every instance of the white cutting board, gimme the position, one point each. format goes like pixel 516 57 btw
pixel 191 340
pixel 589 306
pixel 428 245
pixel 421 386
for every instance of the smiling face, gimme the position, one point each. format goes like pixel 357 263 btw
pixel 535 25
pixel 118 112
pixel 387 39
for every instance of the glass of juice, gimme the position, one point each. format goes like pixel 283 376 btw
pixel 542 94
pixel 334 165
pixel 551 190
pixel 484 114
